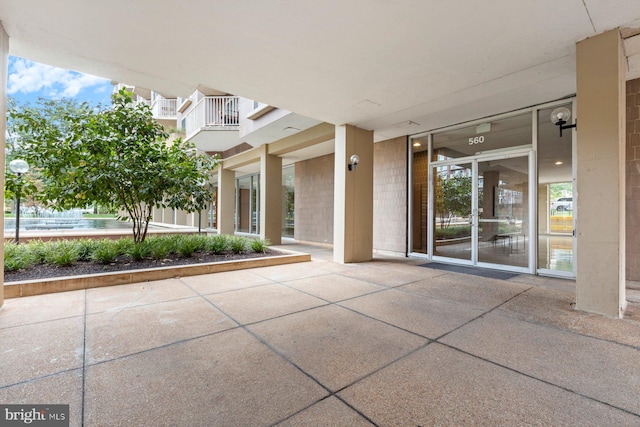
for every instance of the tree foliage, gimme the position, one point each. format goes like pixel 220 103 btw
pixel 453 198
pixel 119 158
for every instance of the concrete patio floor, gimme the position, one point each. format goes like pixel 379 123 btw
pixel 323 344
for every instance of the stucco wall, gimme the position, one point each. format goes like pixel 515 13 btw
pixel 314 200
pixel 633 181
pixel 390 195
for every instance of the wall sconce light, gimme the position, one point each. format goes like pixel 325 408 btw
pixel 560 116
pixel 353 162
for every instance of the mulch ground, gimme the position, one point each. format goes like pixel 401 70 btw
pixel 43 271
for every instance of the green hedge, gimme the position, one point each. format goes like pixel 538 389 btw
pixel 106 251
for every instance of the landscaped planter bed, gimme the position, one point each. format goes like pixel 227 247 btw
pixel 86 277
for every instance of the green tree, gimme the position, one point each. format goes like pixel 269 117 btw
pixel 20 134
pixel 118 158
pixel 560 189
pixel 453 197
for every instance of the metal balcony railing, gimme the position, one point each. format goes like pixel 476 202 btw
pixel 164 108
pixel 212 112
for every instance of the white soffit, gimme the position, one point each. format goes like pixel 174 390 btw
pixel 370 64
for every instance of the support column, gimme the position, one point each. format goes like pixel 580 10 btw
pixel 270 196
pixel 600 227
pixel 226 200
pixel 4 63
pixel 353 196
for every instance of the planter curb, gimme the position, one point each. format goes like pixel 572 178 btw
pixel 88 281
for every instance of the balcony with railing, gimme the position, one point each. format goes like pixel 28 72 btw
pixel 164 109
pixel 213 113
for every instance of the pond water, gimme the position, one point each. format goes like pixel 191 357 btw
pixel 35 224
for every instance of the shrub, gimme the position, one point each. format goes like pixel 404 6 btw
pixel 217 244
pixel 62 253
pixel 259 245
pixel 38 249
pixel 106 251
pixel 124 245
pixel 161 246
pixel 238 244
pixel 201 241
pixel 85 249
pixel 17 257
pixel 139 251
pixel 187 245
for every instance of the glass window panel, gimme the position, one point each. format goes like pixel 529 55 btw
pixel 419 194
pixel 492 135
pixel 243 204
pixel 453 204
pixel 503 211
pixel 288 201
pixel 555 195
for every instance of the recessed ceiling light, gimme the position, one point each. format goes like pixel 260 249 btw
pixel 558 163
pixel 416 144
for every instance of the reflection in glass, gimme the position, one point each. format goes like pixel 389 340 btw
pixel 471 140
pixel 503 211
pixel 555 196
pixel 419 194
pixel 247 204
pixel 288 201
pixel 452 206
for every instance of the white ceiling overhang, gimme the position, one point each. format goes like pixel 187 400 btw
pixel 395 67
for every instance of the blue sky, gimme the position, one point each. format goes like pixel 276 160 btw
pixel 29 80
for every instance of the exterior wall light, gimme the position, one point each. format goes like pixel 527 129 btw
pixel 353 162
pixel 560 116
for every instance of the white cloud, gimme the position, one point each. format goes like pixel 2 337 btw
pixel 30 77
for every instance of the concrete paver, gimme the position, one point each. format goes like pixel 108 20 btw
pixel 114 298
pixel 572 361
pixel 335 345
pixel 422 315
pixel 62 388
pixel 330 412
pixel 220 380
pixel 267 302
pixel 113 334
pixel 40 349
pixel 225 281
pixel 334 287
pixel 380 343
pixel 476 291
pixel 442 386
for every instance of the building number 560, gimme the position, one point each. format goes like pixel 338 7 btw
pixel 476 140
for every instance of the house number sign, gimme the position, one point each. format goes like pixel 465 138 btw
pixel 476 140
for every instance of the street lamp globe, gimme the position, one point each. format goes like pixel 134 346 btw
pixel 19 166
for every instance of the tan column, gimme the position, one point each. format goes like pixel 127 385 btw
pixel 353 196
pixel 600 227
pixel 226 200
pixel 181 217
pixel 4 59
pixel 270 196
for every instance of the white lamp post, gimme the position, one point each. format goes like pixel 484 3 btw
pixel 18 166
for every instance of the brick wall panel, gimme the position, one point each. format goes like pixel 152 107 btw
pixel 390 195
pixel 633 181
pixel 314 200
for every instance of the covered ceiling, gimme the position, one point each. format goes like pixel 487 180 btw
pixel 396 67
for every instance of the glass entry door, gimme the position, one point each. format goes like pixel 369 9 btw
pixel 453 207
pixel 481 211
pixel 503 206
